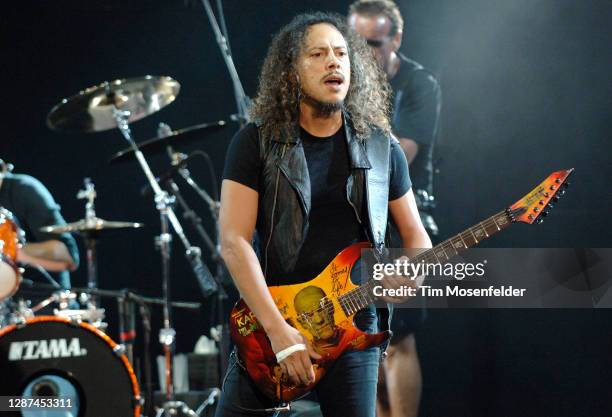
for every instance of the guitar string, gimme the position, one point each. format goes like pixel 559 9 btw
pixel 328 306
pixel 352 296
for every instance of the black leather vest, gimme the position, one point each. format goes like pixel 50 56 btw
pixel 285 199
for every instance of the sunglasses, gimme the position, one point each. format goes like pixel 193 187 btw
pixel 374 43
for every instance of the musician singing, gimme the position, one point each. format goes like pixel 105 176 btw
pixel 304 177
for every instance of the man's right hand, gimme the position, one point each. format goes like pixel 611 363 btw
pixel 297 366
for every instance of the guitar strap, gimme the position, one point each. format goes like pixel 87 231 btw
pixel 377 191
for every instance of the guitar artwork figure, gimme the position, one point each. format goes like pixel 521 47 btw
pixel 323 308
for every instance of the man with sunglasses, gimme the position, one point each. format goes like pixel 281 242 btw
pixel 416 110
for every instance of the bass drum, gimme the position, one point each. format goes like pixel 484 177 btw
pixel 54 356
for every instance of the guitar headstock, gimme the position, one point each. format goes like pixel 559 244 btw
pixel 536 205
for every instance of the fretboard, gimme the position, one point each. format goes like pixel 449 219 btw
pixel 361 297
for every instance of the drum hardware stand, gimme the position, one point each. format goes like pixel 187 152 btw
pixel 221 336
pixel 191 215
pixel 176 158
pixel 90 228
pixel 207 282
pixel 91 238
pixel 163 204
pixel 127 330
pixel 210 400
pixel 145 315
pixel 24 312
pixel 63 297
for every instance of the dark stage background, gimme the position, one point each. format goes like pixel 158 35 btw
pixel 526 90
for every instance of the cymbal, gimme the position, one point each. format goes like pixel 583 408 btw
pixel 175 137
pixel 91 110
pixel 89 225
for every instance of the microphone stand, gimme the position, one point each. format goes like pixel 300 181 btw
pixel 190 214
pixel 163 202
pixel 214 247
pixel 214 207
pixel 242 100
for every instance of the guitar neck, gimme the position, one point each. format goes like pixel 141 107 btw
pixel 362 296
pixel 470 237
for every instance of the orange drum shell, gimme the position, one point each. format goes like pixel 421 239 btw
pixel 11 240
pixel 10 234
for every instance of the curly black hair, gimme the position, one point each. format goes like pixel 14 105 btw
pixel 276 106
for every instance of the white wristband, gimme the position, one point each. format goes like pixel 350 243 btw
pixel 283 354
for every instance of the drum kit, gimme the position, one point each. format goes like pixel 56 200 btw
pixel 68 353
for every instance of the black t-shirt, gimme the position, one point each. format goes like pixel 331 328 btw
pixel 332 221
pixel 34 207
pixel 416 111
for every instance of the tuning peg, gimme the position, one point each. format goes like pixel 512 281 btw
pixel 549 205
pixel 555 199
pixel 540 220
pixel 566 184
pixel 561 193
pixel 544 214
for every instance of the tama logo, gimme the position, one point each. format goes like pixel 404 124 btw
pixel 45 349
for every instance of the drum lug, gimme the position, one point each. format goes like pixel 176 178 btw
pixel 75 321
pixel 138 401
pixel 119 350
pixel 20 322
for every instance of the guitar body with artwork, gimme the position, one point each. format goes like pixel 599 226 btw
pixel 323 308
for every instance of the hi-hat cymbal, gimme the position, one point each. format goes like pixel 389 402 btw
pixel 94 224
pixel 174 138
pixel 91 110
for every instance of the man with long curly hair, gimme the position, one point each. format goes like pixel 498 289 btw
pixel 316 171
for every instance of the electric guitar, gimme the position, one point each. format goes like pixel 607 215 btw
pixel 323 308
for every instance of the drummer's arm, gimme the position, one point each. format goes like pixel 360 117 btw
pixel 52 255
pixel 52 252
